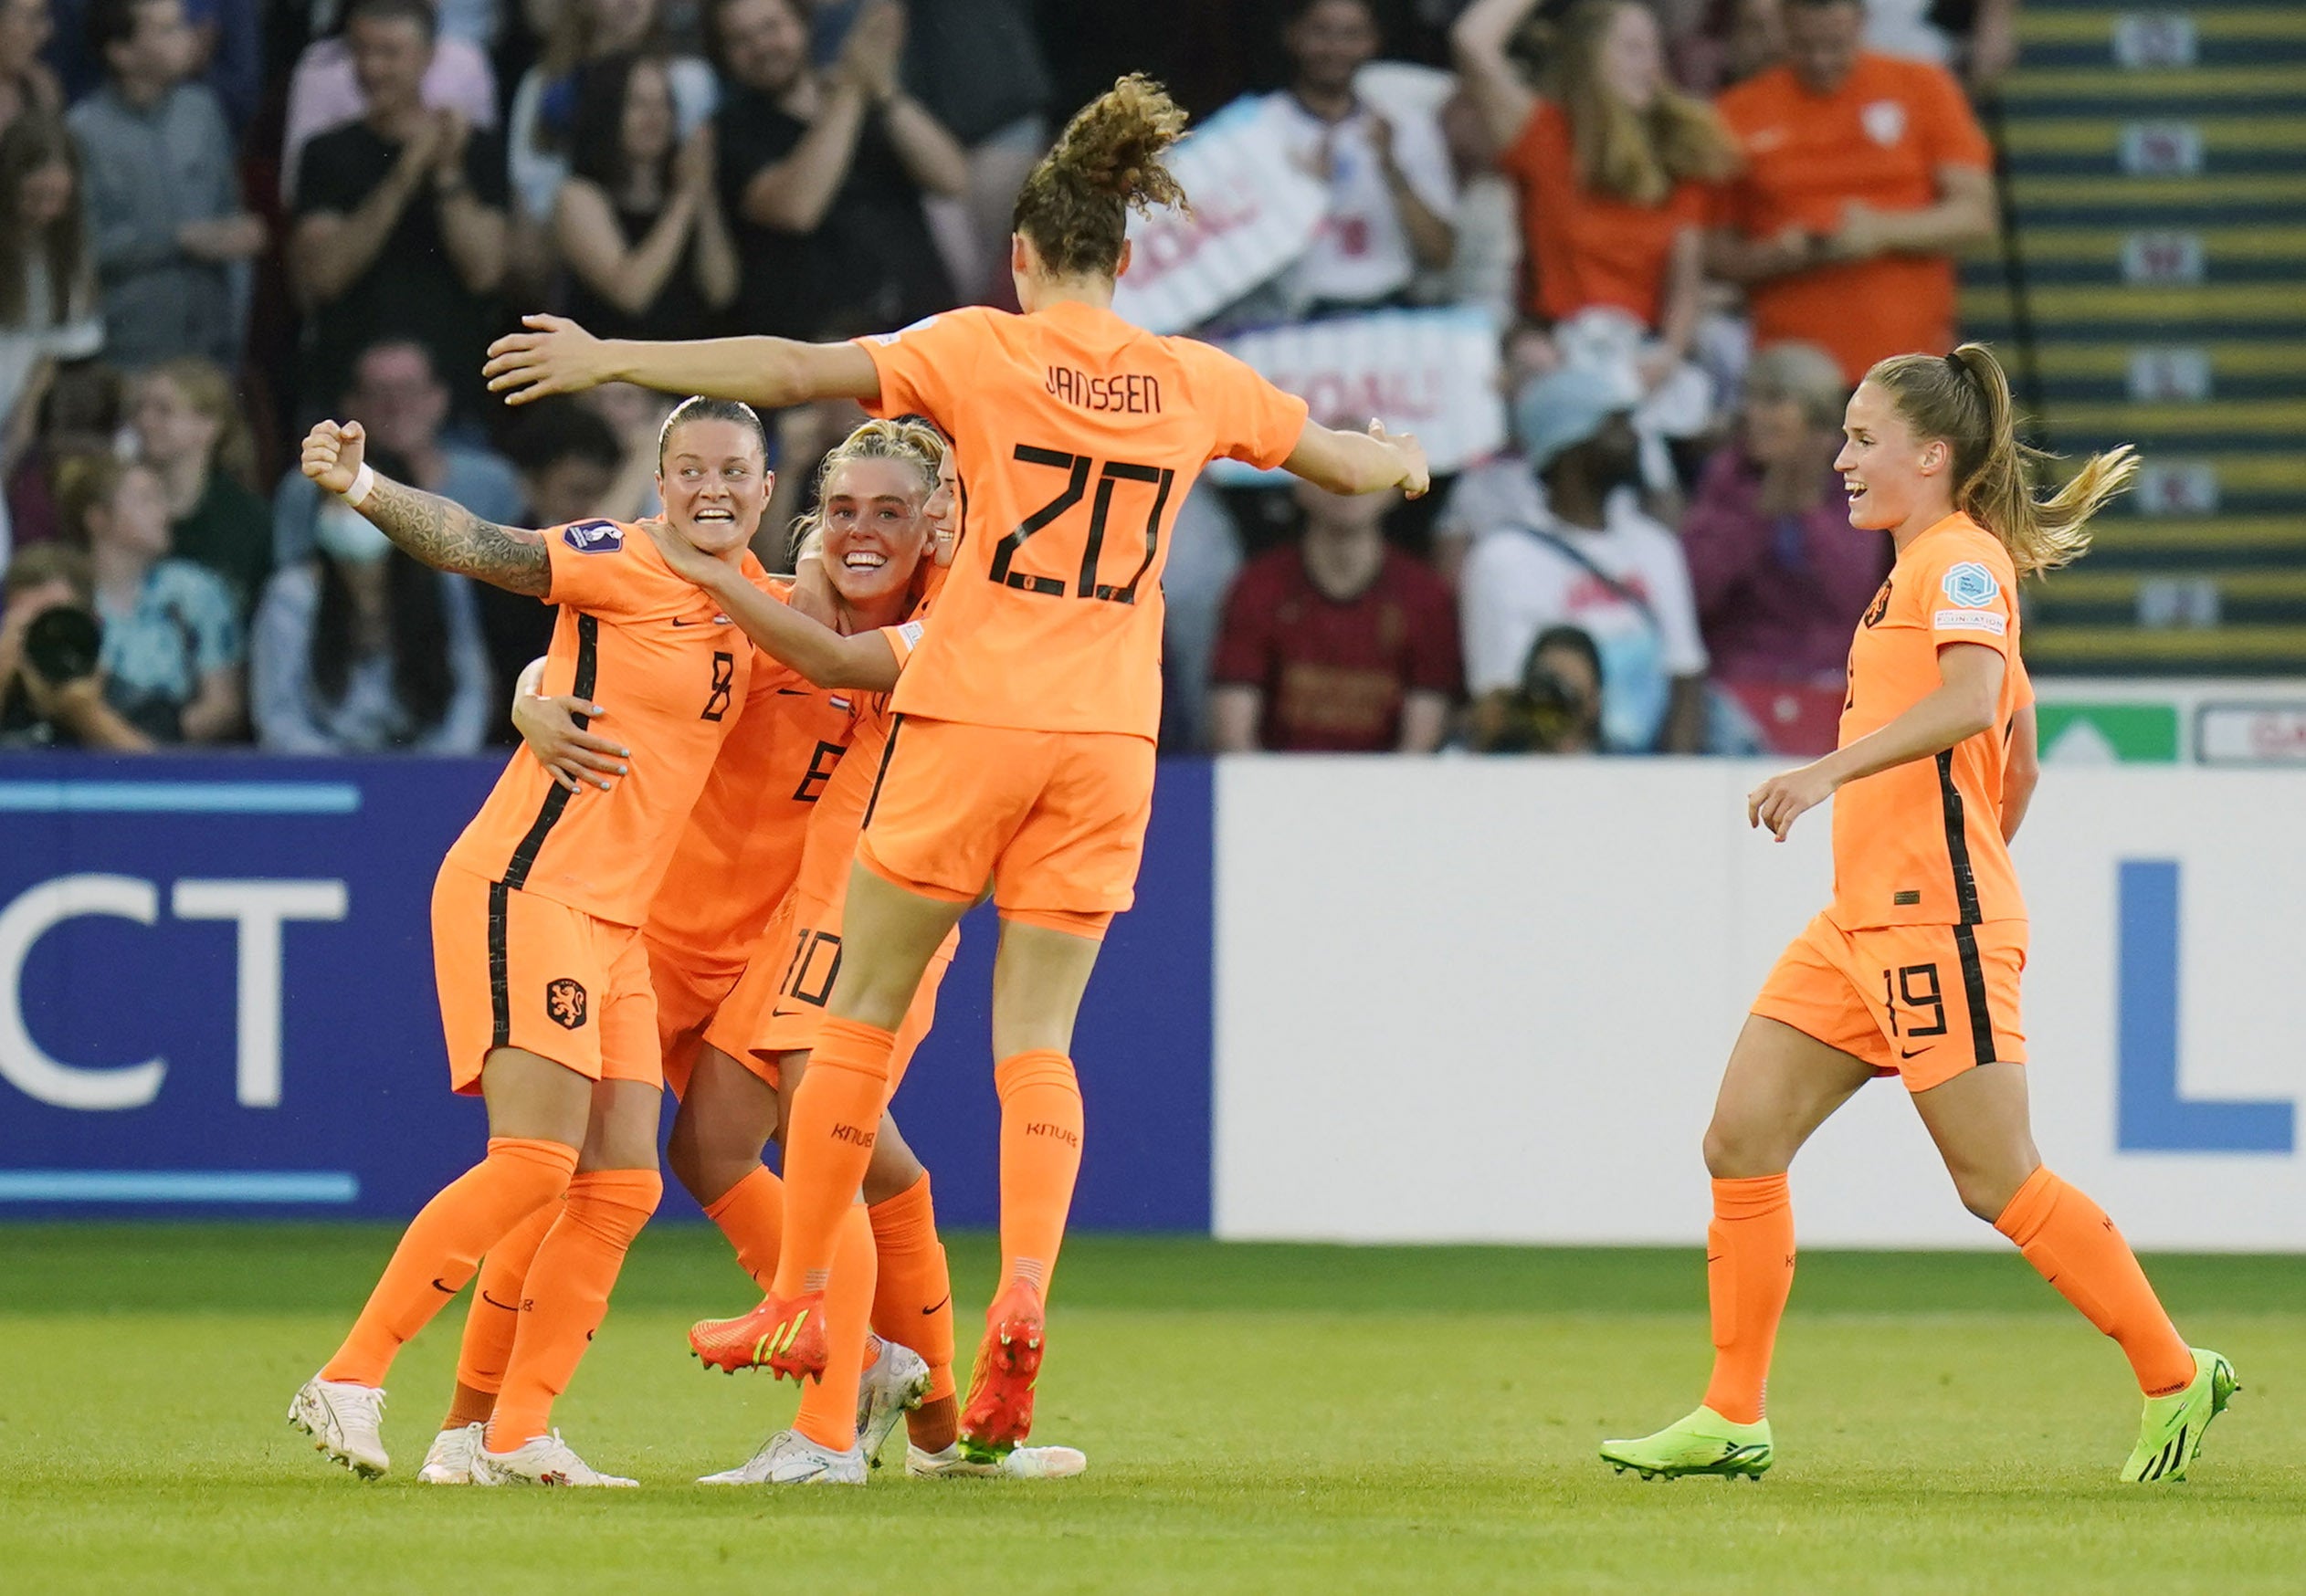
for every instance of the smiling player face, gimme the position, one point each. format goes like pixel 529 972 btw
pixel 715 483
pixel 876 526
pixel 1889 475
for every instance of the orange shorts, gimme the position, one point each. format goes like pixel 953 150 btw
pixel 519 971
pixel 1055 819
pixel 690 991
pixel 779 1004
pixel 1924 1002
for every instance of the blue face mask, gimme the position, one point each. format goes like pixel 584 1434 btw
pixel 348 537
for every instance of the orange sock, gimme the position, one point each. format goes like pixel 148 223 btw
pixel 828 1406
pixel 1749 1268
pixel 2077 1249
pixel 492 1318
pixel 836 1115
pixel 442 1245
pixel 1040 1159
pixel 751 1213
pixel 913 1305
pixel 567 1296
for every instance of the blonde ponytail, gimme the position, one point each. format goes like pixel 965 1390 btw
pixel 1965 398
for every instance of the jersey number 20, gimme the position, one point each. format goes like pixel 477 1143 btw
pixel 1077 469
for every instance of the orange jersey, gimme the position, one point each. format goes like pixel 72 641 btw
pixel 741 848
pixel 1077 436
pixel 1920 844
pixel 675 672
pixel 1880 138
pixel 822 878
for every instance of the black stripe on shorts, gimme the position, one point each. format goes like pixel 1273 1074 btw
pixel 888 752
pixel 1965 943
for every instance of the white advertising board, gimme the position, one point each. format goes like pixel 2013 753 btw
pixel 1490 1001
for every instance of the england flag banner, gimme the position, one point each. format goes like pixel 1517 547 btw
pixel 1434 373
pixel 1253 213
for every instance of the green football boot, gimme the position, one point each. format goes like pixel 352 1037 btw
pixel 1704 1443
pixel 2170 1435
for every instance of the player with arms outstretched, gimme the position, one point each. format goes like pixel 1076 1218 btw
pixel 545 994
pixel 1913 969
pixel 1022 749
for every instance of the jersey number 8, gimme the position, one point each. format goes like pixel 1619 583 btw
pixel 1077 469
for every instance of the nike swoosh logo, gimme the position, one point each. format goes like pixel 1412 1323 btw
pixel 793 692
pixel 493 1302
pixel 1912 1052
pixel 948 1297
pixel 437 1285
pixel 717 621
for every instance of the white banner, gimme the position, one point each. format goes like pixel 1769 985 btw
pixel 1253 212
pixel 1490 1001
pixel 1432 372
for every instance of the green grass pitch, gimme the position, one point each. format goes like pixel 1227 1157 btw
pixel 1257 1418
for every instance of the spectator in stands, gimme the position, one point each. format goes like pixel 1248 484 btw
pixel 47 285
pixel 189 430
pixel 227 52
pixel 172 645
pixel 400 223
pixel 164 197
pixel 540 134
pixel 81 413
pixel 1392 196
pixel 978 66
pixel 639 224
pixel 1863 177
pixel 325 90
pixel 1977 39
pixel 51 678
pixel 822 174
pixel 1612 164
pixel 567 459
pixel 1340 644
pixel 361 649
pixel 1589 558
pixel 637 417
pixel 25 82
pixel 399 398
pixel 1555 707
pixel 1779 575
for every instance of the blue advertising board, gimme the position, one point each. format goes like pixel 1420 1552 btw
pixel 216 997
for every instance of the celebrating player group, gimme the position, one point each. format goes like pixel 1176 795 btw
pixel 751 812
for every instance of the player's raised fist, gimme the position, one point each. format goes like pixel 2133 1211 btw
pixel 554 356
pixel 333 453
pixel 1417 476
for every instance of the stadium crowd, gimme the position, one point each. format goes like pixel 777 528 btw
pixel 1691 226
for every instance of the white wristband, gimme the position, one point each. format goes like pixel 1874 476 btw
pixel 363 483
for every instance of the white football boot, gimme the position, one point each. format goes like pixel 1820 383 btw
pixel 790 1458
pixel 546 1461
pixel 448 1462
pixel 1021 1463
pixel 343 1420
pixel 893 1385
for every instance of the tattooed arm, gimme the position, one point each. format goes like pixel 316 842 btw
pixel 443 535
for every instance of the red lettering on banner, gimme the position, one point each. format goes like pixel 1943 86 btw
pixel 1169 240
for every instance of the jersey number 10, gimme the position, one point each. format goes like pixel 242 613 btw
pixel 1077 469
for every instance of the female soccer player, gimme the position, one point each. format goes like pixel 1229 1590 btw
pixel 1023 747
pixel 1913 968
pixel 544 983
pixel 740 855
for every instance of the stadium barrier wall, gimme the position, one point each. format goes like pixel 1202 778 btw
pixel 1490 1001
pixel 1445 1000
pixel 217 997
